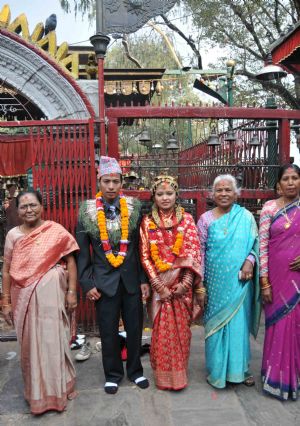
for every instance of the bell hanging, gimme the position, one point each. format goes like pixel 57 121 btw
pixel 254 141
pixel 145 138
pixel 230 136
pixel 172 144
pixel 213 139
pixel 157 146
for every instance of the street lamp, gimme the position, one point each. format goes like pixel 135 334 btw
pixel 267 74
pixel 100 42
pixel 230 65
pixel 270 71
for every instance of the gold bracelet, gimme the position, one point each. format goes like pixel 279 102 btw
pixel 5 306
pixel 71 291
pixel 265 287
pixel 201 290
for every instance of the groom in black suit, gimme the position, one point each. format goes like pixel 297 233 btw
pixel 116 283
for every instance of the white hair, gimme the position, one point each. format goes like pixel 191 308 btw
pixel 228 178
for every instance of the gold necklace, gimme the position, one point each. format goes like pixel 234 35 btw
pixel 289 221
pixel 167 218
pixel 225 228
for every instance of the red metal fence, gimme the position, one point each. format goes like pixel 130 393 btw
pixel 63 160
pixel 63 169
pixel 197 166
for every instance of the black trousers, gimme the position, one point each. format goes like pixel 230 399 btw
pixel 108 315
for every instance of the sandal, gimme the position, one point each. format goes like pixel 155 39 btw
pixel 249 381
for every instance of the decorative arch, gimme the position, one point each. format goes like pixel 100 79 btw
pixel 33 73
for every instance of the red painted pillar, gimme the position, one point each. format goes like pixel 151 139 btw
pixel 284 140
pixel 113 138
pixel 101 105
pixel 100 42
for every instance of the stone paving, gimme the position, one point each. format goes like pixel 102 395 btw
pixel 199 404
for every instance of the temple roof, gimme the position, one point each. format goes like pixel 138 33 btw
pixel 286 50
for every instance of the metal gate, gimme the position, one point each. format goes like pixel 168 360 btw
pixel 63 169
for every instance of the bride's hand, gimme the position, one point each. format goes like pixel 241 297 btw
pixel 179 290
pixel 165 294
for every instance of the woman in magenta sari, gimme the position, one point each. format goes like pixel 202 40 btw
pixel 280 285
pixel 36 294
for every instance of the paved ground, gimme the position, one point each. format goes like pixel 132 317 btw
pixel 199 404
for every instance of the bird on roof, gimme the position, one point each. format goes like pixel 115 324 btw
pixel 50 23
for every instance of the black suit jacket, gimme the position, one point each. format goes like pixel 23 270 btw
pixel 94 270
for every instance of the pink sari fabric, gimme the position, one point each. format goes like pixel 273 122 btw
pixel 35 253
pixel 43 330
pixel 281 357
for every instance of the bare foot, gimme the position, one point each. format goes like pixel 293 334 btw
pixel 249 381
pixel 73 395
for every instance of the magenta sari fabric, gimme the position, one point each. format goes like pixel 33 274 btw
pixel 281 357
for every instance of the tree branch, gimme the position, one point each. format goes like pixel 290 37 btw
pixel 126 48
pixel 168 43
pixel 277 26
pixel 287 11
pixel 188 40
pixel 276 87
pixel 238 12
pixel 239 45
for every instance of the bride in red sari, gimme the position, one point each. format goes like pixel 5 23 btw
pixel 170 255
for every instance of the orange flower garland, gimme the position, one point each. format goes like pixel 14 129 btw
pixel 115 261
pixel 160 264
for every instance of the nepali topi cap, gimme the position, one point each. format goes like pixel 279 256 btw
pixel 108 165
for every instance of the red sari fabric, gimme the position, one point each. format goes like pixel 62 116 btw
pixel 171 338
pixel 171 334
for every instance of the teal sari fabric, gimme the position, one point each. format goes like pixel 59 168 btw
pixel 233 309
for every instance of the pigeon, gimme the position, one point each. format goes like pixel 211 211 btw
pixel 50 24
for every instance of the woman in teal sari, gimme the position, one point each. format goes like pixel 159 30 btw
pixel 229 244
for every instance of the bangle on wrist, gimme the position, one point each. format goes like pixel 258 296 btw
pixel 266 286
pixel 7 305
pixel 71 291
pixel 200 290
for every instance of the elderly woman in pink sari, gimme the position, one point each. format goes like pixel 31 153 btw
pixel 280 286
pixel 36 297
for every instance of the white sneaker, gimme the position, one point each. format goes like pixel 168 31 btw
pixel 98 346
pixel 84 353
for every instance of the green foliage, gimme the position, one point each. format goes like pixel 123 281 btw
pixel 245 30
pixel 150 52
pixel 79 6
pixel 240 29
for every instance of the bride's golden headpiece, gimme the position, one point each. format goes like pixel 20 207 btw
pixel 159 180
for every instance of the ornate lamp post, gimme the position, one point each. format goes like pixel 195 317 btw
pixel 121 17
pixel 100 42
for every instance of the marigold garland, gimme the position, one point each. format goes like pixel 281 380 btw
pixel 117 260
pixel 160 264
